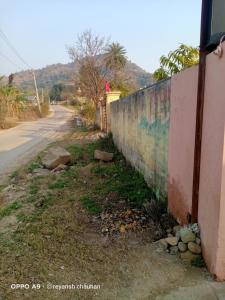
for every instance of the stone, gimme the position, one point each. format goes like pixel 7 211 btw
pixel 174 250
pixel 176 229
pixel 188 256
pixel 172 241
pixel 182 247
pixel 163 244
pixel 194 248
pixel 56 156
pixel 187 235
pixel 195 228
pixel 198 241
pixel 178 235
pixel 40 172
pixel 102 155
pixel 86 171
pixel 59 168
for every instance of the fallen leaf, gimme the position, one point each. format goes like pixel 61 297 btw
pixel 122 229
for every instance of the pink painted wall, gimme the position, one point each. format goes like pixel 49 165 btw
pixel 211 216
pixel 212 180
pixel 181 142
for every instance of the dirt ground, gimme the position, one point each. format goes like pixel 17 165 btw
pixel 50 241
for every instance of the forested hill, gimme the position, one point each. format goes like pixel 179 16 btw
pixel 65 74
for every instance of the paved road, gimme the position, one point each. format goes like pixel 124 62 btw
pixel 19 144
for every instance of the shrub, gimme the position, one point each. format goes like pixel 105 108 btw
pixel 44 109
pixel 88 112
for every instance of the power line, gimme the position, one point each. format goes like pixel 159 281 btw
pixel 8 59
pixel 5 38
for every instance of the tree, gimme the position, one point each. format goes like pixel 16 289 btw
pixel 12 101
pixel 55 92
pixel 115 59
pixel 87 53
pixel 176 61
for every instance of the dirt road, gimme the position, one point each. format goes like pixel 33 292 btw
pixel 20 144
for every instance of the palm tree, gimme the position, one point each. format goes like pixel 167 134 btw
pixel 176 61
pixel 115 60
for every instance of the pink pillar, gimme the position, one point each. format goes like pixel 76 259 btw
pixel 181 142
pixel 212 179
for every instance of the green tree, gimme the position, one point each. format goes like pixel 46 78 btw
pixel 55 92
pixel 176 61
pixel 115 60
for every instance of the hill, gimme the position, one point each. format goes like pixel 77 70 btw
pixel 65 74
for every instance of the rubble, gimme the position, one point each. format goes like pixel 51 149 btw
pixel 185 241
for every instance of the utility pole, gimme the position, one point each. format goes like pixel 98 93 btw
pixel 42 95
pixel 204 37
pixel 37 95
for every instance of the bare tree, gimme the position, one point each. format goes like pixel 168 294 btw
pixel 87 53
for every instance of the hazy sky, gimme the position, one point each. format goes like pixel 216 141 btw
pixel 41 29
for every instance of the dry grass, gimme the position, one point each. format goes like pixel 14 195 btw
pixel 57 241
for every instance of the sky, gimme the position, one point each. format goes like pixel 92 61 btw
pixel 40 30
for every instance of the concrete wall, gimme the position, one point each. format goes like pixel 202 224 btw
pixel 212 180
pixel 181 142
pixel 140 124
pixel 155 130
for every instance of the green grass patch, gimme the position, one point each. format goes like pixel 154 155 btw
pixel 33 166
pixel 117 177
pixel 34 189
pixel 14 174
pixel 90 205
pixel 123 179
pixel 59 184
pixel 76 152
pixel 6 211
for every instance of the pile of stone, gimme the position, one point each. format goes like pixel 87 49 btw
pixel 184 241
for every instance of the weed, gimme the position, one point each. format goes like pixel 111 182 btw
pixel 33 166
pixel 14 175
pixel 6 211
pixel 29 218
pixel 2 187
pixel 76 152
pixel 34 189
pixel 90 205
pixel 107 144
pixel 59 184
pixel 198 262
pixel 88 112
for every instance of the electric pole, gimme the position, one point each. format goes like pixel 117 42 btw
pixel 37 95
pixel 42 95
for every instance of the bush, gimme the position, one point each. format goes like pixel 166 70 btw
pixel 44 109
pixel 88 112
